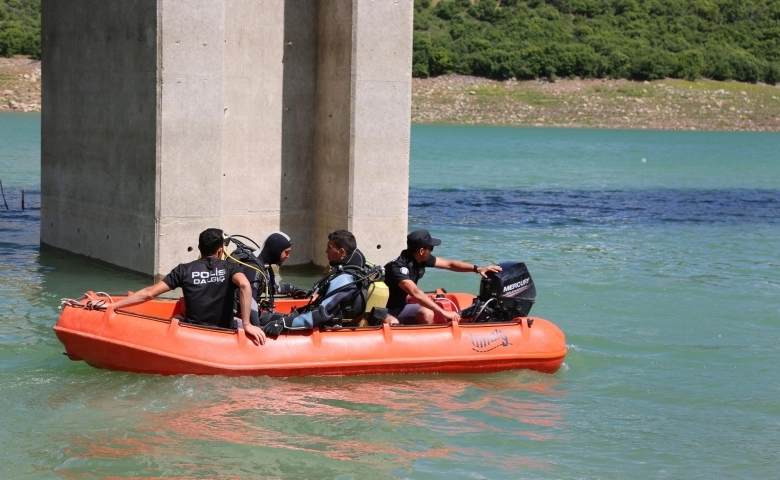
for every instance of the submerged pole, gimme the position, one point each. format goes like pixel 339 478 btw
pixel 3 192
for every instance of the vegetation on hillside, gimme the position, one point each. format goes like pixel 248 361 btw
pixel 527 39
pixel 20 28
pixel 633 39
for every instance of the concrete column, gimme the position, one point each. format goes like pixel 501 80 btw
pixel 363 128
pixel 268 138
pixel 190 136
pixel 99 130
pixel 165 117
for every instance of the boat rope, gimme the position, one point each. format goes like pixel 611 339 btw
pixel 71 303
pixel 101 304
pixel 91 304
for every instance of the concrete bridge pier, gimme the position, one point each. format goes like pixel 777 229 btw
pixel 162 118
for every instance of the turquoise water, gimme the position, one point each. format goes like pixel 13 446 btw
pixel 20 150
pixel 664 275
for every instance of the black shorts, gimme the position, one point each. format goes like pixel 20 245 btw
pixel 406 315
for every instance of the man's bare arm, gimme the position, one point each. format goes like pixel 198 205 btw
pixel 458 266
pixel 143 295
pixel 412 289
pixel 245 301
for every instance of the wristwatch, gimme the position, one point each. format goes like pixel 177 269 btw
pixel 476 268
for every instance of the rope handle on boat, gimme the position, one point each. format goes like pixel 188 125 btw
pixel 91 304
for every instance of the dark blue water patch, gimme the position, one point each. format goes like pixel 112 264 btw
pixel 12 200
pixel 541 208
pixel 546 208
pixel 19 226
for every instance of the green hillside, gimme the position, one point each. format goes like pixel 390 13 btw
pixel 501 39
pixel 20 28
pixel 634 39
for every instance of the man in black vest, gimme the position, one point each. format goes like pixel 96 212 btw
pixel 403 273
pixel 208 285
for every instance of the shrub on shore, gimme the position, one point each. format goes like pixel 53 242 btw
pixel 527 39
pixel 633 39
pixel 20 28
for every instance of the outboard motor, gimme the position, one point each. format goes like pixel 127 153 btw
pixel 503 296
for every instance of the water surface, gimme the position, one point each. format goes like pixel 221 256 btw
pixel 663 274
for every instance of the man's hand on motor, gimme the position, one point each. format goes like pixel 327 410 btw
pixel 483 271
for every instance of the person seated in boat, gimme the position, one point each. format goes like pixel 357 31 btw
pixel 208 285
pixel 344 295
pixel 258 265
pixel 403 273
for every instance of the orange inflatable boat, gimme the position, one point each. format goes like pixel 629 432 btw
pixel 145 339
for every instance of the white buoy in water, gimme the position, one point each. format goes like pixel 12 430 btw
pixel 644 160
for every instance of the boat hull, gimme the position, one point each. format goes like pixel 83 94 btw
pixel 143 339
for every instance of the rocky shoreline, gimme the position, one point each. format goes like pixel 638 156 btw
pixel 20 85
pixel 661 105
pixel 454 99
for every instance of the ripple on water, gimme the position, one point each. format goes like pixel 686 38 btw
pixel 621 207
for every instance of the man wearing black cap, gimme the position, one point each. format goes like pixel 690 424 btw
pixel 403 273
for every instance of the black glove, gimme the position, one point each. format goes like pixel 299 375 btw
pixel 273 328
pixel 292 291
pixel 377 316
pixel 300 293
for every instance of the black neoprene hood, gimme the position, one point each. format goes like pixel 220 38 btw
pixel 274 245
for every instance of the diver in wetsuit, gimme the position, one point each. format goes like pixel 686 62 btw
pixel 257 266
pixel 344 295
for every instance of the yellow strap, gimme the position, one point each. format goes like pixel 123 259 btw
pixel 253 268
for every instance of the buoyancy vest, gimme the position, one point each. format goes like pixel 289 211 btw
pixel 260 275
pixel 350 297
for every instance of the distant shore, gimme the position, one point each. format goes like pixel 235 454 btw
pixel 455 99
pixel 660 105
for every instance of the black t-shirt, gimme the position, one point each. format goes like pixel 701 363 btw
pixel 405 267
pixel 208 290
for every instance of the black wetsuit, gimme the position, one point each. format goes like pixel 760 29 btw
pixel 268 254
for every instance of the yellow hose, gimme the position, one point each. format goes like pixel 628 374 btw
pixel 253 268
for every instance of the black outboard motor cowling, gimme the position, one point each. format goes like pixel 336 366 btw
pixel 503 296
